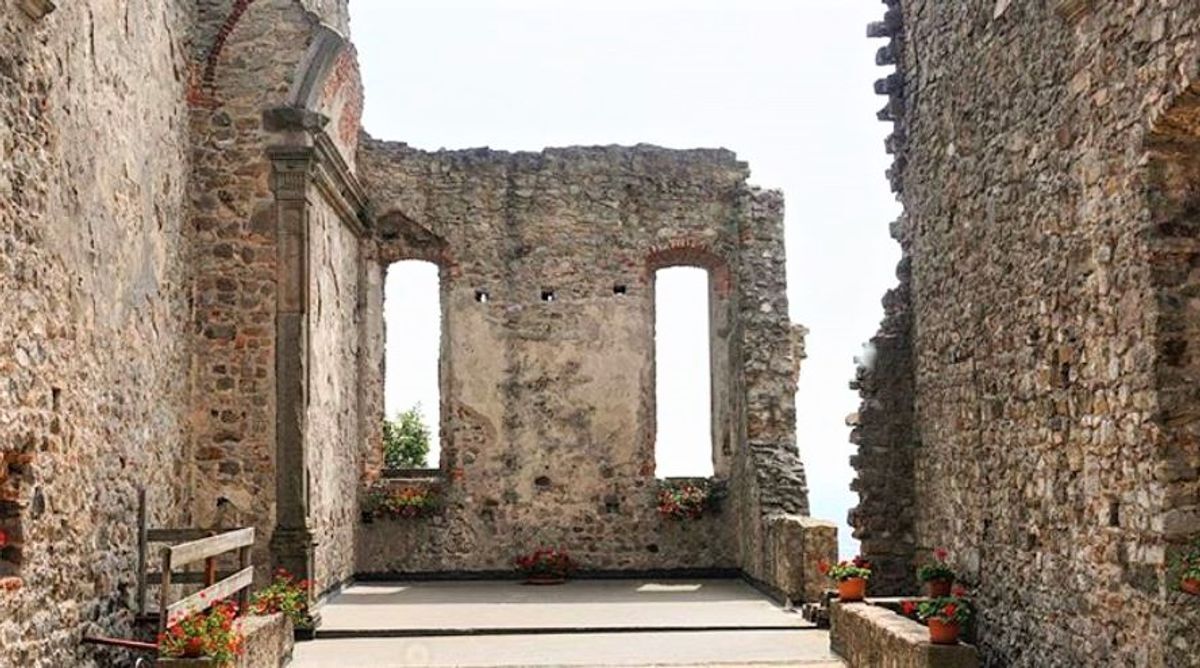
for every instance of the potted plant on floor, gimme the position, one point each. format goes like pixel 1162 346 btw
pixel 545 566
pixel 1188 567
pixel 945 616
pixel 208 637
pixel 937 576
pixel 851 577
pixel 290 596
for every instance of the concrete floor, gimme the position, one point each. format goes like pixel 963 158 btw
pixel 808 648
pixel 581 623
pixel 579 605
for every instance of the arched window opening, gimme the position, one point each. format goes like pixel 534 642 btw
pixel 683 374
pixel 412 359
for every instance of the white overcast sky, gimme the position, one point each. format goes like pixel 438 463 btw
pixel 787 84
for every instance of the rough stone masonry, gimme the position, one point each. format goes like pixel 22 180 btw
pixel 1032 403
pixel 194 233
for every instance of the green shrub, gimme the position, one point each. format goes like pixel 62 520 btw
pixel 405 440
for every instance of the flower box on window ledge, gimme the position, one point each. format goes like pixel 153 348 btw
pixel 689 498
pixel 388 502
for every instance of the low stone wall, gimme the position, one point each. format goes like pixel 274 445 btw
pixel 870 636
pixel 793 546
pixel 269 643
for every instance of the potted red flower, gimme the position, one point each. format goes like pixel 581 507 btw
pixel 287 595
pixel 851 577
pixel 937 576
pixel 945 616
pixel 545 566
pixel 1188 567
pixel 211 634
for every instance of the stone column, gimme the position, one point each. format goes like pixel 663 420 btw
pixel 292 542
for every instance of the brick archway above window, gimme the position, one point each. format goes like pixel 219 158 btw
pixel 688 253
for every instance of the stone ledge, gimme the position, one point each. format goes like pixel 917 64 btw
pixel 269 641
pixel 867 635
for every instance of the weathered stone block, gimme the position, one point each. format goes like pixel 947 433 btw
pixel 795 545
pixel 869 636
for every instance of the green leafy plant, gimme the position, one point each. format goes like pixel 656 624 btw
pixel 212 633
pixel 938 570
pixel 686 499
pixel 953 609
pixel 844 570
pixel 406 440
pixel 405 503
pixel 285 594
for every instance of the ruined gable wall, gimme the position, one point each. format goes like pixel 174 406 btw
pixel 93 279
pixel 547 427
pixel 1034 331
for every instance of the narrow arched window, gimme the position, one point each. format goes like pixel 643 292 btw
pixel 412 359
pixel 683 373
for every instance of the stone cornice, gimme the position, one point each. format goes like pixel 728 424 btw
pixel 316 160
pixel 36 9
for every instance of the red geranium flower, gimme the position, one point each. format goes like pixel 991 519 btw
pixel 3 538
pixel 949 610
pixel 958 591
pixel 908 608
pixel 823 566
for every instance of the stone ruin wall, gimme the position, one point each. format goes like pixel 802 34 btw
pixel 547 407
pixel 145 349
pixel 333 402
pixel 1041 323
pixel 239 116
pixel 93 278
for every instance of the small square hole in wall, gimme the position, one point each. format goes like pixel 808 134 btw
pixel 482 296
pixel 548 295
pixel 620 289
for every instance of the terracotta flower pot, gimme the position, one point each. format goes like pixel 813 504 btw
pixel 852 589
pixel 939 588
pixel 942 633
pixel 1191 586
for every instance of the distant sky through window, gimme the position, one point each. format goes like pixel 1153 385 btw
pixel 682 378
pixel 412 313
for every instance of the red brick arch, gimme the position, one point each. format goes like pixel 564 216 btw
pixel 688 253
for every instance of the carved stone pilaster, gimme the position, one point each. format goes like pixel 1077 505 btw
pixel 292 175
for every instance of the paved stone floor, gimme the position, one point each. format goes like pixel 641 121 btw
pixel 808 648
pixel 579 604
pixel 582 623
